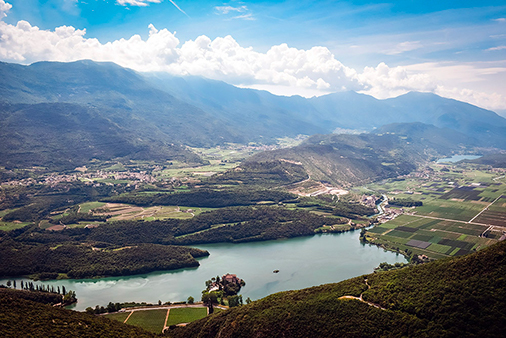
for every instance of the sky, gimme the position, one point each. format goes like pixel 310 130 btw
pixel 456 49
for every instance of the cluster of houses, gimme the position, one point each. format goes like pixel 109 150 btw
pixel 87 177
pixel 219 283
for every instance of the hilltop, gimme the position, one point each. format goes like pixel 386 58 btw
pixel 390 151
pixel 23 313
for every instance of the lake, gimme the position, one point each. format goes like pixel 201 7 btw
pixel 456 158
pixel 302 262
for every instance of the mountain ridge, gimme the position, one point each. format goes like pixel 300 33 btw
pixel 156 116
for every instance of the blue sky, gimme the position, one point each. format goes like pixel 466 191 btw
pixel 453 48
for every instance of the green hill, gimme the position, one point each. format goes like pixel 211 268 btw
pixel 456 297
pixel 65 114
pixel 25 315
pixel 355 159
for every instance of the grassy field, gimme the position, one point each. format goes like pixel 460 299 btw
pixel 87 207
pixel 8 226
pixel 119 316
pixel 154 320
pixel 185 315
pixel 150 320
pixel 121 212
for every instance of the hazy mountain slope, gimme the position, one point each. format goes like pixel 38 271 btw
pixel 355 159
pixel 350 110
pixel 497 160
pixel 264 114
pixel 443 140
pixel 119 94
pixel 347 110
pixel 486 126
pixel 456 297
pixel 63 135
pixel 109 111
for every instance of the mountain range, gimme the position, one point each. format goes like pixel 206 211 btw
pixel 65 114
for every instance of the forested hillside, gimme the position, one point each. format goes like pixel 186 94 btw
pixel 24 316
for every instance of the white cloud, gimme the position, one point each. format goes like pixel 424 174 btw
pixel 496 48
pixel 140 3
pixel 224 10
pixel 4 8
pixel 403 47
pixel 281 69
pixel 383 81
pixel 221 58
pixel 248 16
pixel 500 20
pixel 493 101
pixel 466 82
pixel 228 9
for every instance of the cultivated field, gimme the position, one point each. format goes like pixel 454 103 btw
pixel 156 320
pixel 186 315
pixel 464 209
pixel 122 212
pixel 150 320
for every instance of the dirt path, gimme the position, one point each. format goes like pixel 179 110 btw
pixel 360 299
pixel 128 317
pixel 165 327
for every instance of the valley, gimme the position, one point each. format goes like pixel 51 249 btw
pixel 130 187
pixel 463 210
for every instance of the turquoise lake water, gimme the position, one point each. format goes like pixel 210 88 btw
pixel 302 262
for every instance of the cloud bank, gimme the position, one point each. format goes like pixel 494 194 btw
pixel 314 71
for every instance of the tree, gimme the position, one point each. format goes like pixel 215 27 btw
pixel 248 300
pixel 70 297
pixel 111 307
pixel 234 301
pixel 190 300
pixel 9 283
pixel 159 302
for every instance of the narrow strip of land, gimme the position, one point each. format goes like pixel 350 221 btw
pixel 486 208
pixel 165 327
pixel 128 316
pixel 450 220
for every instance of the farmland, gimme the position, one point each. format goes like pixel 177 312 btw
pixel 185 315
pixel 464 210
pixel 123 212
pixel 150 320
pixel 156 320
